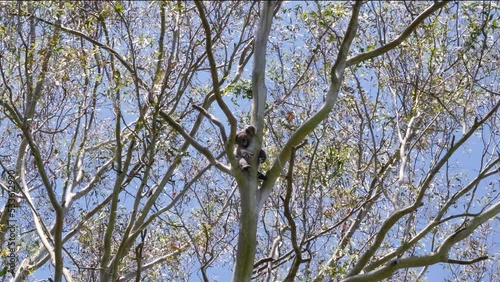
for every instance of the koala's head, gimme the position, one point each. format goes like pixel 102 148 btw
pixel 244 137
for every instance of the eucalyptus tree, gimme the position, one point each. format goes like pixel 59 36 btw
pixel 380 122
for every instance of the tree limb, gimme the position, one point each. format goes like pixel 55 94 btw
pixel 402 37
pixel 441 255
pixel 337 74
pixel 467 262
pixel 396 216
pixel 194 143
pixel 214 120
pixel 110 50
pixel 215 80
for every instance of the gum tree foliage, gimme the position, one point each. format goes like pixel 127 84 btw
pixel 380 122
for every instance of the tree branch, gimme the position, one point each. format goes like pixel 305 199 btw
pixel 337 74
pixel 213 71
pixel 441 255
pixel 214 120
pixel 194 143
pixel 392 219
pixel 110 50
pixel 259 89
pixel 437 219
pixel 467 262
pixel 402 37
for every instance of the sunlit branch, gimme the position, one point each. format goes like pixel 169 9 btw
pixel 375 191
pixel 213 71
pixel 441 255
pixel 394 218
pixel 437 219
pixel 337 74
pixel 467 262
pixel 174 201
pixel 195 143
pixel 151 264
pixel 259 89
pixel 402 37
pixel 213 119
pixel 297 260
pixel 98 44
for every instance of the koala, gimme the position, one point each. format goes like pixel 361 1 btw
pixel 243 153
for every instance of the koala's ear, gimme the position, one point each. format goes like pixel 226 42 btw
pixel 250 130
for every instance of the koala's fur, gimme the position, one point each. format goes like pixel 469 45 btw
pixel 243 153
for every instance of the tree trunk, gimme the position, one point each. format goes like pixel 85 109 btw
pixel 247 241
